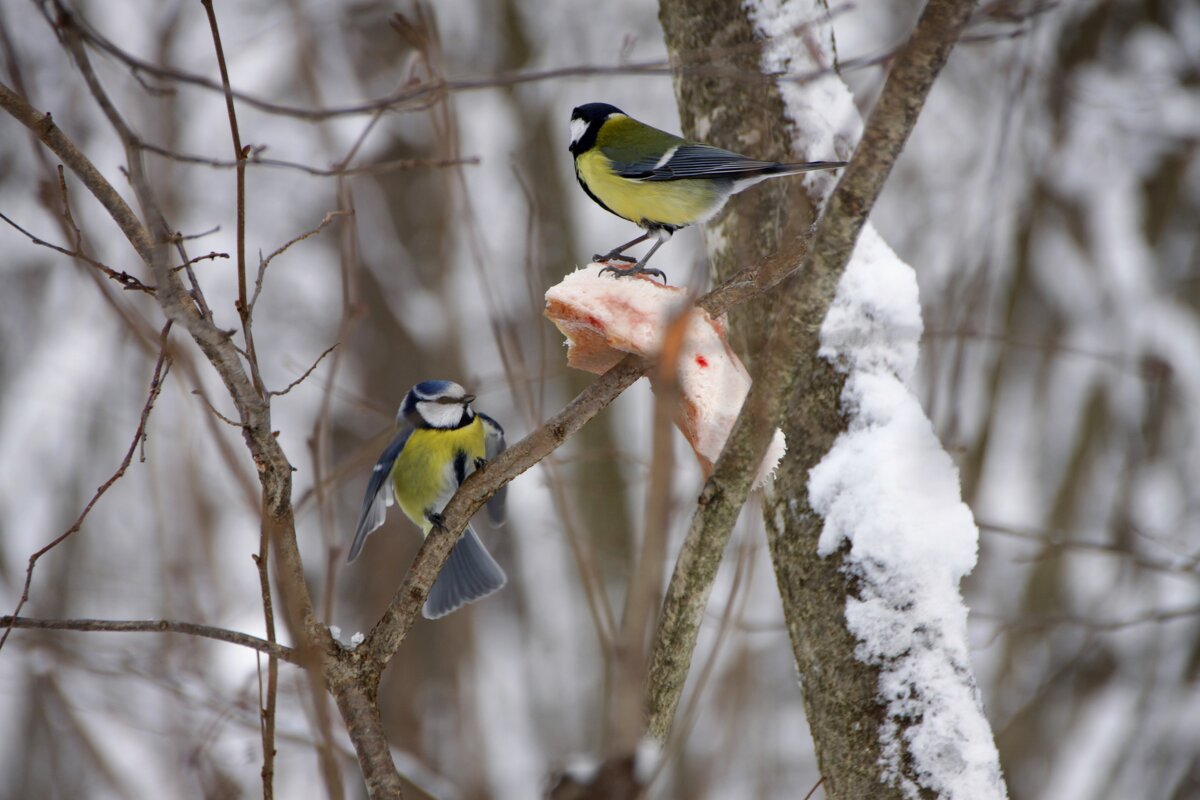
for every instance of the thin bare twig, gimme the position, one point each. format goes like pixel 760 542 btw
pixel 240 153
pixel 264 262
pixel 126 280
pixel 233 423
pixel 161 368
pixel 1055 541
pixel 307 372
pixel 212 256
pixel 154 626
pixel 267 699
pixel 267 707
pixel 336 171
pixel 186 237
pixel 1042 621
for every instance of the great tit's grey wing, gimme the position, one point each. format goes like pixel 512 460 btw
pixel 495 445
pixel 379 494
pixel 470 573
pixel 690 160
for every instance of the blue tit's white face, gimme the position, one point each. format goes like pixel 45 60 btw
pixel 438 404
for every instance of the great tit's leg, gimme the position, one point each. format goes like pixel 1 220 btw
pixel 640 267
pixel 436 519
pixel 615 253
pixel 479 462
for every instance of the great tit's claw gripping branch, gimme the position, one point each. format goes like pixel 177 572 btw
pixel 436 519
pixel 635 270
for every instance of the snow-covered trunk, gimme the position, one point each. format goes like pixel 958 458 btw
pixel 868 532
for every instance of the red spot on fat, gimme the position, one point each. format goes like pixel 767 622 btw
pixel 702 361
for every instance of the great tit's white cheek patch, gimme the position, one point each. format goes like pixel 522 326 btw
pixel 578 128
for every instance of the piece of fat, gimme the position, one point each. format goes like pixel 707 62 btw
pixel 604 318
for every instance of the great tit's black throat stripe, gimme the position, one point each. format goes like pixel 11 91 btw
pixel 460 466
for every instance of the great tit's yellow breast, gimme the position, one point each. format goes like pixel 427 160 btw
pixel 676 203
pixel 423 477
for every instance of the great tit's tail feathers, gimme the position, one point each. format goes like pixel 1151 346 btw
pixel 804 166
pixel 470 574
pixel 751 177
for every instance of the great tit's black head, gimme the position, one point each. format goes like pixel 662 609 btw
pixel 585 123
pixel 437 404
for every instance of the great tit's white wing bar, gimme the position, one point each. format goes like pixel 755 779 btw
pixel 690 160
pixel 469 574
pixel 379 494
pixel 495 445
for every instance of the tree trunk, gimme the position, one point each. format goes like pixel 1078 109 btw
pixel 733 106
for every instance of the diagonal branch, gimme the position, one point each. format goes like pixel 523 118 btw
pixel 42 126
pixel 386 637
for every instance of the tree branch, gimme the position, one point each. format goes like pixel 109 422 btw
pixel 154 626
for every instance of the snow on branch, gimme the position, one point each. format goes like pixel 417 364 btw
pixel 888 493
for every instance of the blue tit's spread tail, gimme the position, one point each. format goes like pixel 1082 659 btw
pixel 470 573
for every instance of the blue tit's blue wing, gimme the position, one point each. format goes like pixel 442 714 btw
pixel 379 494
pixel 470 573
pixel 690 160
pixel 494 444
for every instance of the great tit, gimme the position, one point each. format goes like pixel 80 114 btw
pixel 657 180
pixel 440 441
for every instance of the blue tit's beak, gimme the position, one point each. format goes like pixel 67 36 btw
pixel 468 399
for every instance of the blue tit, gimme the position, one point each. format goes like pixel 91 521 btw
pixel 656 180
pixel 440 441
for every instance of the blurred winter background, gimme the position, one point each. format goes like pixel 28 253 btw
pixel 1048 200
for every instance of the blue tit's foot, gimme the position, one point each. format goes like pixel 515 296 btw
pixel 436 519
pixel 636 269
pixel 613 255
pixel 479 462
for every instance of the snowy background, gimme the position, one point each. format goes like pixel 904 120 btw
pixel 1048 201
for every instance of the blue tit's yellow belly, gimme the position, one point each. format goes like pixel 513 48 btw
pixel 674 203
pixel 423 477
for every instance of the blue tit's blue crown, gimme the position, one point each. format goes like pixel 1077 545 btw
pixel 431 404
pixel 431 390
